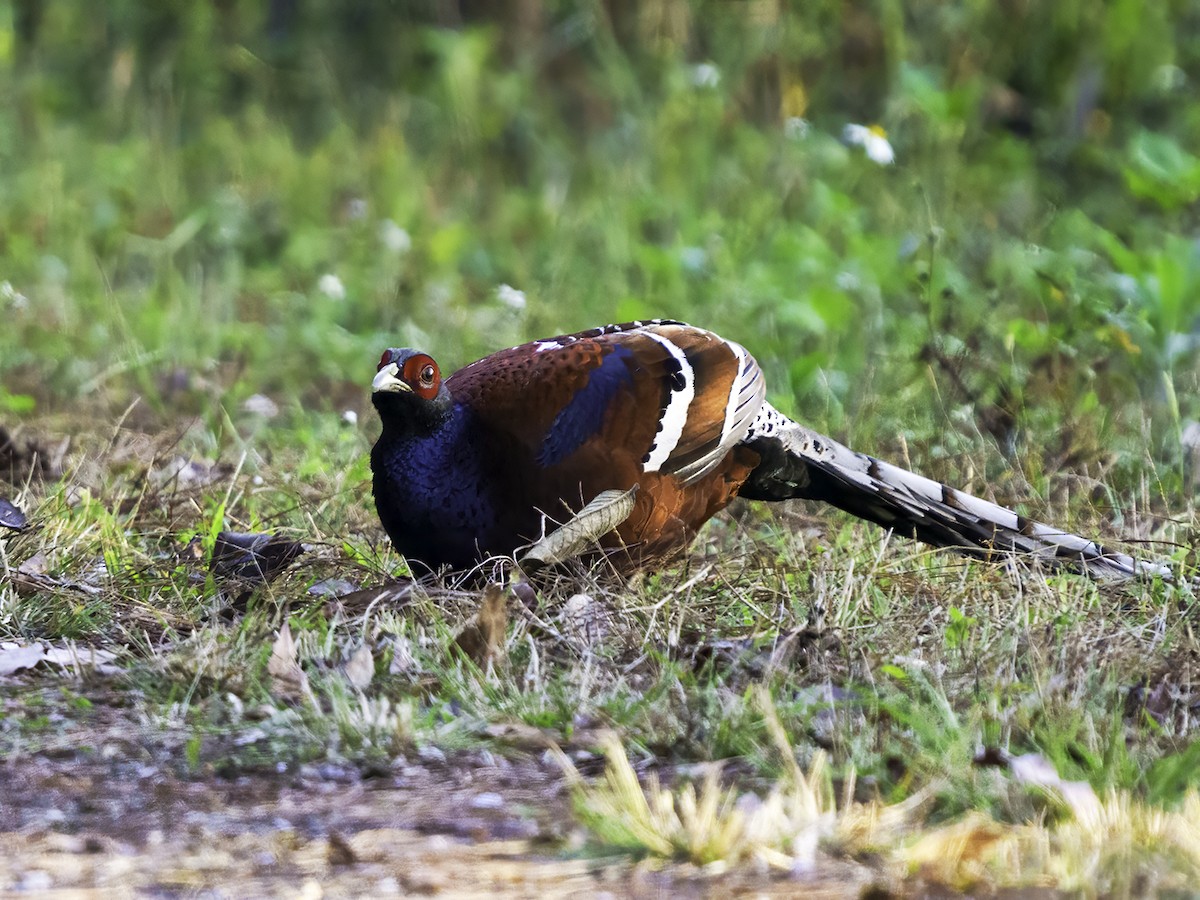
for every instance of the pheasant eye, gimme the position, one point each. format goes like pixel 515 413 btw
pixel 427 374
pixel 384 360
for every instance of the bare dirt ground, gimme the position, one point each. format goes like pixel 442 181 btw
pixel 107 807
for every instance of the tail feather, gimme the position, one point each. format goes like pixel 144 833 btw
pixel 799 462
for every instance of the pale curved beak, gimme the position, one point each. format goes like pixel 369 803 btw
pixel 386 380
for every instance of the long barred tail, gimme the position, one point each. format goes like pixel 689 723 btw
pixel 799 462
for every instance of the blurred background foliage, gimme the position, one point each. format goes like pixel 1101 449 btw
pixel 201 201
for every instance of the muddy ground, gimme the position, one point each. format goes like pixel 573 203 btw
pixel 110 807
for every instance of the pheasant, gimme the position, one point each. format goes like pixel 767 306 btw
pixel 657 424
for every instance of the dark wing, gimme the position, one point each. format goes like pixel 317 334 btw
pixel 662 396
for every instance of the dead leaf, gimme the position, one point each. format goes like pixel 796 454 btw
pixel 1160 700
pixel 35 565
pixel 288 680
pixel 526 594
pixel 360 668
pixel 584 619
pixel 482 639
pixel 253 557
pixel 77 658
pixel 30 578
pixel 24 457
pixel 186 474
pixel 340 853
pixel 521 735
pixel 956 854
pixel 14 658
pixel 333 587
pixel 403 662
pixel 392 595
pixel 1079 796
pixel 11 516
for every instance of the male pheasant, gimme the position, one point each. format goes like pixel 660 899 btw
pixel 485 461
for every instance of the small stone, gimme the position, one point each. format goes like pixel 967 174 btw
pixel 35 880
pixel 488 800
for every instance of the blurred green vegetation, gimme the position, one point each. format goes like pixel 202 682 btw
pixel 203 201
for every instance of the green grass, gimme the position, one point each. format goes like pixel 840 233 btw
pixel 1012 313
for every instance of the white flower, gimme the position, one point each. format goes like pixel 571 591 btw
pixel 356 209
pixel 1170 78
pixel 331 286
pixel 693 259
pixel 705 75
pixel 795 128
pixel 350 417
pixel 510 297
pixel 12 296
pixel 393 237
pixel 873 140
pixel 846 281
